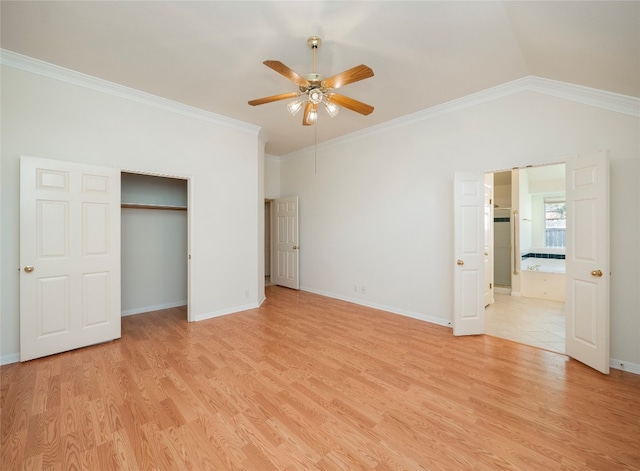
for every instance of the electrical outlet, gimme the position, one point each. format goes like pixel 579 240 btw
pixel 246 293
pixel 363 290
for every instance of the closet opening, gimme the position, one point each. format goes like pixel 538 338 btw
pixel 154 243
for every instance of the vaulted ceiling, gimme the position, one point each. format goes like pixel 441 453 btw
pixel 209 54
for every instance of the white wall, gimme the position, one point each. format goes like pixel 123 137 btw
pixel 50 118
pixel 502 195
pixel 154 259
pixel 271 177
pixel 378 212
pixel 150 189
pixel 537 222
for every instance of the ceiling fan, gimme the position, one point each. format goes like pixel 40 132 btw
pixel 314 89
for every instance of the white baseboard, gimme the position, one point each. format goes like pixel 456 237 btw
pixel 501 290
pixel 613 363
pixel 224 312
pixel 10 358
pixel 624 366
pixel 157 307
pixel 393 310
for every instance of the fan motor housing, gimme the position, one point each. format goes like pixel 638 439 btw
pixel 314 42
pixel 314 79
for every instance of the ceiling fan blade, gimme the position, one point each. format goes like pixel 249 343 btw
pixel 350 103
pixel 308 108
pixel 287 72
pixel 354 74
pixel 269 99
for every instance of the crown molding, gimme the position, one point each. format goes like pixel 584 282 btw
pixel 272 158
pixel 584 95
pixel 35 66
pixel 587 96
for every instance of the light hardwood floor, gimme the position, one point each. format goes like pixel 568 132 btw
pixel 311 383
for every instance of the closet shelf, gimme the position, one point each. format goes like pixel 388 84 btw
pixel 152 206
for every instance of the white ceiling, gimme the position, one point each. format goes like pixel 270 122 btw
pixel 208 54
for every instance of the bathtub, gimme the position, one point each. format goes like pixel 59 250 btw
pixel 543 278
pixel 547 265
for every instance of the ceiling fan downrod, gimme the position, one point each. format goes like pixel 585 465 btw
pixel 314 43
pixel 314 79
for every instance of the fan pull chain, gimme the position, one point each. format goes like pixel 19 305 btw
pixel 315 148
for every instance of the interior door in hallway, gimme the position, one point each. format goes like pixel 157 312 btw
pixel 587 260
pixel 69 255
pixel 286 253
pixel 468 304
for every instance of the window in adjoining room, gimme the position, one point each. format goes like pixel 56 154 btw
pixel 555 217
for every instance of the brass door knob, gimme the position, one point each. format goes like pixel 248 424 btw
pixel 295 247
pixel 597 273
pixel 460 262
pixel 28 269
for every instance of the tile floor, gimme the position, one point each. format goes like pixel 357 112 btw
pixel 536 322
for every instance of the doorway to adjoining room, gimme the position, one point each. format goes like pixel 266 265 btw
pixel 528 257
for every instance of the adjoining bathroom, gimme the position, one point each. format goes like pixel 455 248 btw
pixel 529 257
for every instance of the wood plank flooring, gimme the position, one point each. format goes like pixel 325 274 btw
pixel 312 383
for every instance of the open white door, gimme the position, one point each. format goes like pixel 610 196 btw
pixel 69 255
pixel 286 242
pixel 468 304
pixel 587 260
pixel 488 239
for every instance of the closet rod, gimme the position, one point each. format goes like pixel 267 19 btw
pixel 152 206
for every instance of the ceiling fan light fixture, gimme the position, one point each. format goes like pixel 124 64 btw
pixel 294 107
pixel 315 96
pixel 313 116
pixel 332 109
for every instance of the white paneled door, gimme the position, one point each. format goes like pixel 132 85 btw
pixel 587 260
pixel 488 239
pixel 286 253
pixel 468 304
pixel 69 255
